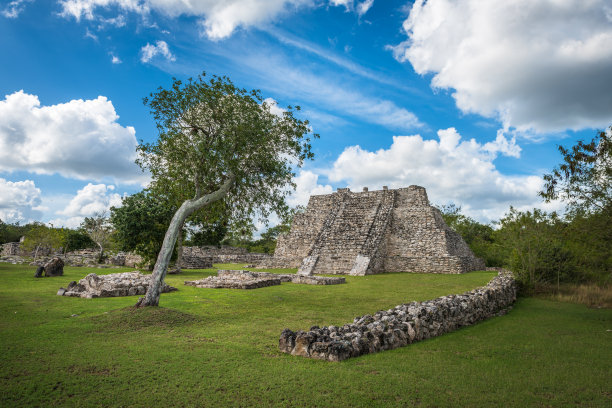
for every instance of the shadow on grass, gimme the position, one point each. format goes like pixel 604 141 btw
pixel 131 319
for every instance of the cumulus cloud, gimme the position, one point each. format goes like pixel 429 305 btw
pixel 541 66
pixel 19 201
pixel 307 184
pixel 115 59
pixel 218 18
pixel 149 51
pixel 451 169
pixel 80 139
pixel 14 8
pixel 90 200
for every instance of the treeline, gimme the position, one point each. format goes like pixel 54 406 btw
pixel 543 249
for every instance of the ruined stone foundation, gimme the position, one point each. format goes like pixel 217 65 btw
pixel 372 232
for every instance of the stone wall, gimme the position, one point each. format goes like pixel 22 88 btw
pixel 203 257
pixel 372 232
pixel 404 324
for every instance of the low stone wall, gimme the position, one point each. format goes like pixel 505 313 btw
pixel 404 324
pixel 199 257
pixel 114 284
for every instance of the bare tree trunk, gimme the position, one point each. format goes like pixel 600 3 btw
pixel 36 253
pixel 163 259
pixel 179 249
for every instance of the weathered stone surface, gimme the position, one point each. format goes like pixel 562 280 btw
pixel 204 256
pixel 372 232
pixel 115 284
pixel 233 279
pixel 287 277
pixel 39 272
pixel 403 324
pixel 54 267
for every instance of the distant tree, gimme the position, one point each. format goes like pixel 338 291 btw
pixel 584 179
pixel 538 254
pixel 40 236
pixel 479 237
pixel 12 232
pixel 141 222
pixel 226 144
pixel 73 240
pixel 99 230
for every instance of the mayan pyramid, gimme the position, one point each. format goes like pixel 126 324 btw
pixel 372 232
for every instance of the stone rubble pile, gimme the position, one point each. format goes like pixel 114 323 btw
pixel 404 324
pixel 232 279
pixel 245 280
pixel 114 284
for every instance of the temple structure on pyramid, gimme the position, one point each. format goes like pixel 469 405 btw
pixel 372 232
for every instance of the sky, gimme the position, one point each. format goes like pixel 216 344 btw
pixel 468 99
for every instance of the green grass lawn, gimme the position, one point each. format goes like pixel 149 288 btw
pixel 219 347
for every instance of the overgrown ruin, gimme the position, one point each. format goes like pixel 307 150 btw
pixel 372 232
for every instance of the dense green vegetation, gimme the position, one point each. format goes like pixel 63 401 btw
pixel 208 347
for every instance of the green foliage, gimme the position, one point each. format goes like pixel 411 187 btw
pixel 584 179
pixel 479 237
pixel 141 223
pixel 40 236
pixel 209 234
pixel 75 240
pixel 12 232
pixel 211 131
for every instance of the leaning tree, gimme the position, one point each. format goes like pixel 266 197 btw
pixel 223 143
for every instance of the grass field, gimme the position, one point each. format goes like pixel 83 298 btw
pixel 219 347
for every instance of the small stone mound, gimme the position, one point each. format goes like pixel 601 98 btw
pixel 112 285
pixel 244 280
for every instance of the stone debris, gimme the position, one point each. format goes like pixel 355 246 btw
pixel 372 232
pixel 232 279
pixel 114 284
pixel 244 280
pixel 54 267
pixel 404 324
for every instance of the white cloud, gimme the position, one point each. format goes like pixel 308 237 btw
pixel 14 8
pixel 19 201
pixel 296 83
pixel 451 169
pixel 80 139
pixel 364 6
pixel 219 18
pixel 115 59
pixel 274 108
pixel 307 184
pixel 149 51
pixel 537 65
pixel 348 4
pixel 88 201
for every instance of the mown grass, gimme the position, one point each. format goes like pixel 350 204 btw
pixel 216 347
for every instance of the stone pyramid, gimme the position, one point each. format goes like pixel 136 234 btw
pixel 372 232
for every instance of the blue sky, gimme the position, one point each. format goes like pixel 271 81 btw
pixel 468 99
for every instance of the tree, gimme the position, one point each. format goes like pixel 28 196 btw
pixel 584 179
pixel 223 144
pixel 40 236
pixel 99 230
pixel 141 223
pixel 75 240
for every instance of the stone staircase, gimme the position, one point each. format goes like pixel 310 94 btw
pixel 351 235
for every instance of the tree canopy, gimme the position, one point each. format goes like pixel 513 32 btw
pixel 584 179
pixel 222 143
